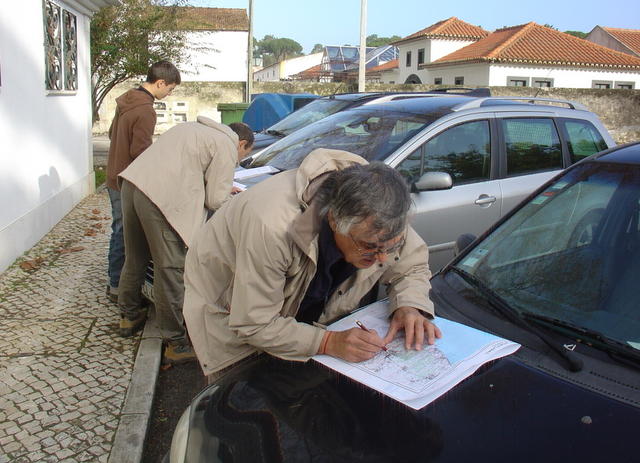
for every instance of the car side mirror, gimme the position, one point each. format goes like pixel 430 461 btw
pixel 463 242
pixel 430 181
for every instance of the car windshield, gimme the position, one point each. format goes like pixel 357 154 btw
pixel 371 133
pixel 314 111
pixel 571 256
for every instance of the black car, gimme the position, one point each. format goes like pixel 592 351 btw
pixel 557 275
pixel 325 106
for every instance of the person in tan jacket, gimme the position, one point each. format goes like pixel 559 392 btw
pixel 299 250
pixel 167 193
pixel 131 133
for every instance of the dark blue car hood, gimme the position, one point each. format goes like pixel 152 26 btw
pixel 271 410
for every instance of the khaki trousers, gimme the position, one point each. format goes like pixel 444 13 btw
pixel 148 235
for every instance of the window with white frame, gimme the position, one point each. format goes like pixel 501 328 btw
pixel 541 82
pixel 421 56
pixel 408 59
pixel 514 81
pixel 602 84
pixel 458 81
pixel 437 81
pixel 625 85
pixel 61 48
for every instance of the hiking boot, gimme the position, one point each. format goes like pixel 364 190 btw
pixel 129 327
pixel 175 354
pixel 112 294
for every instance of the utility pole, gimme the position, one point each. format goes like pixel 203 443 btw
pixel 363 45
pixel 249 86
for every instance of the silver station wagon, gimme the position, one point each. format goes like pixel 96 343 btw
pixel 469 160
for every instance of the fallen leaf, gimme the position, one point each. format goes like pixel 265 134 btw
pixel 96 211
pixel 165 367
pixel 97 225
pixel 90 232
pixel 30 265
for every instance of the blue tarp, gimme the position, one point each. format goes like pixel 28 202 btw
pixel 268 108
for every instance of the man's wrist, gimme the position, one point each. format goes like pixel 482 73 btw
pixel 325 341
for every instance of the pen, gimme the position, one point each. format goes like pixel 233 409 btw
pixel 362 327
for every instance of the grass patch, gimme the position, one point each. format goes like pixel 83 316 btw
pixel 101 175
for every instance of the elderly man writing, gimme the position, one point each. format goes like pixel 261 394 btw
pixel 300 250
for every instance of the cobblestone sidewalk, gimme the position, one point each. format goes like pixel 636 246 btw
pixel 64 370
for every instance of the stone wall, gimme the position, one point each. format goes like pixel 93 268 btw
pixel 619 110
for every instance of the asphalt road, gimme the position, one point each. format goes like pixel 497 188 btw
pixel 176 386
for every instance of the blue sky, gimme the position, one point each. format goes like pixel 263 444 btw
pixel 337 22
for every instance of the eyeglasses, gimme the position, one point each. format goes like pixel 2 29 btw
pixel 370 249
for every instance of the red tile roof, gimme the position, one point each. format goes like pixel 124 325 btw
pixel 384 67
pixel 628 37
pixel 212 19
pixel 452 28
pixel 535 44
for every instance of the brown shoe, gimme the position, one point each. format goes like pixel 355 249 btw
pixel 129 327
pixel 175 354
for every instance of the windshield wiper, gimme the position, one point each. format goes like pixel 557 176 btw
pixel 276 133
pixel 572 362
pixel 592 337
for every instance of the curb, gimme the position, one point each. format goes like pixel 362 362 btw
pixel 128 443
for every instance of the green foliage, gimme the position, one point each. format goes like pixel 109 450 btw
pixel 317 48
pixel 101 176
pixel 579 34
pixel 274 49
pixel 374 41
pixel 128 38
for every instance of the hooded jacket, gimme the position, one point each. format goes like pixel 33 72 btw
pixel 250 265
pixel 130 133
pixel 188 170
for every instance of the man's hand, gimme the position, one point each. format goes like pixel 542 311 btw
pixel 354 345
pixel 415 327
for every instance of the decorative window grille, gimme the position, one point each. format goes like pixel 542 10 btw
pixel 61 48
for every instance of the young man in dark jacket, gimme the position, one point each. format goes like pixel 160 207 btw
pixel 131 133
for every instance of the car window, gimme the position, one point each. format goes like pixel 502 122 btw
pixel 372 134
pixel 572 253
pixel 583 139
pixel 532 145
pixel 314 111
pixel 463 151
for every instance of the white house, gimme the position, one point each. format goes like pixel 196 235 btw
pixel 624 40
pixel 217 44
pixel 285 69
pixel 46 166
pixel 536 56
pixel 430 44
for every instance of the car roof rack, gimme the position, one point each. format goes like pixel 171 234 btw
pixel 521 99
pixel 479 92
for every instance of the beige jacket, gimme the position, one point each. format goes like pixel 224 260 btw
pixel 188 170
pixel 249 267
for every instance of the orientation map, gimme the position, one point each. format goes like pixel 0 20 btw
pixel 416 378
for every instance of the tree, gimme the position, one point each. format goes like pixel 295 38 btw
pixel 578 34
pixel 274 49
pixel 374 41
pixel 317 48
pixel 126 39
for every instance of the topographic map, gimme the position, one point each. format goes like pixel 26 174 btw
pixel 414 377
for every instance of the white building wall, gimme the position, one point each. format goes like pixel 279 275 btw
pixel 563 77
pixel 46 164
pixel 473 74
pixel 433 50
pixel 216 56
pixel 442 47
pixel 268 74
pixel 302 63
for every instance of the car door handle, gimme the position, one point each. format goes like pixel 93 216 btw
pixel 485 199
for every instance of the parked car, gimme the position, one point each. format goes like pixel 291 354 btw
pixel 497 150
pixel 557 275
pixel 325 106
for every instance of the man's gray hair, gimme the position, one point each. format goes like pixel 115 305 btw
pixel 372 191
